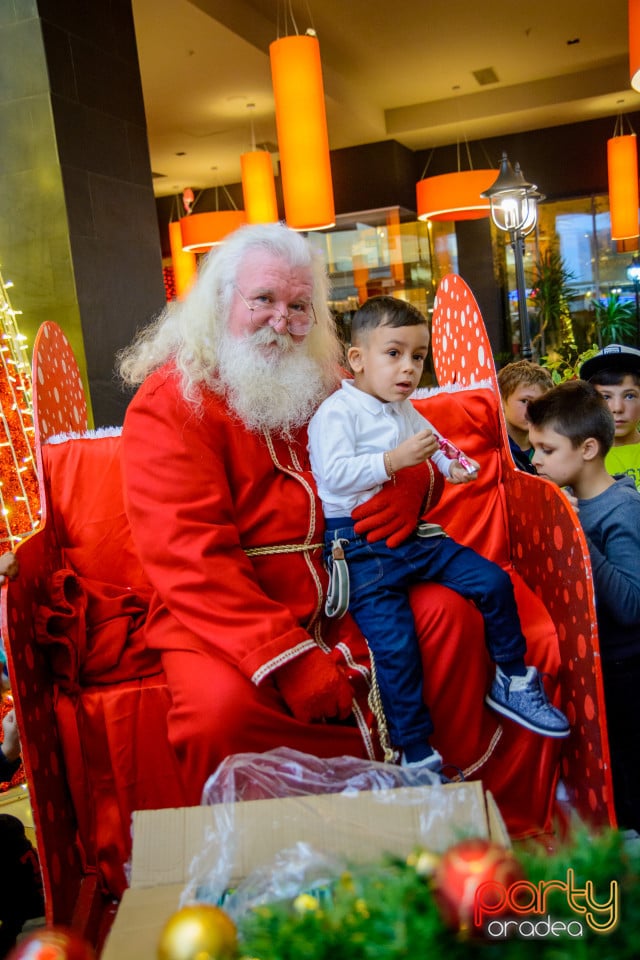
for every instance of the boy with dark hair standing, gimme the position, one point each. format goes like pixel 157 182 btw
pixel 359 438
pixel 521 382
pixel 572 429
pixel 615 373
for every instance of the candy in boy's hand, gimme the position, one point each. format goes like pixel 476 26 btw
pixel 454 453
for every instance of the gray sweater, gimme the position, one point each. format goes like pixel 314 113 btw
pixel 611 522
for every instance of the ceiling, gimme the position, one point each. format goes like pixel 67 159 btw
pixel 408 70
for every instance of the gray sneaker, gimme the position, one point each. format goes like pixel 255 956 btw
pixel 524 700
pixel 434 764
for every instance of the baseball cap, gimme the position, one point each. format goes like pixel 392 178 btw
pixel 613 357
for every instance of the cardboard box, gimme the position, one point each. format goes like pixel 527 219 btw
pixel 360 827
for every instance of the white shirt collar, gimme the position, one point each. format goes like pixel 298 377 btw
pixel 371 404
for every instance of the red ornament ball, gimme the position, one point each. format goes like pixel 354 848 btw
pixel 52 943
pixel 461 871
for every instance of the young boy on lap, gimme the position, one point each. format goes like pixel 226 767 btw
pixel 359 438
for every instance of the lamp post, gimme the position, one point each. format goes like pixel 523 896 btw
pixel 633 273
pixel 514 209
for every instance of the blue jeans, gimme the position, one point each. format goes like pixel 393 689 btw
pixel 380 577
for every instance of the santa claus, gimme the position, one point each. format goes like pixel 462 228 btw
pixel 228 526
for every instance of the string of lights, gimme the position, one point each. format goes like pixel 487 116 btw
pixel 19 495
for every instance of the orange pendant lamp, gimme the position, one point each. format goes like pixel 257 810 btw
pixel 454 196
pixel 303 141
pixel 184 262
pixel 258 187
pixel 634 43
pixel 622 166
pixel 201 231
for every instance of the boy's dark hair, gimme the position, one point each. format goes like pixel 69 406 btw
pixel 384 311
pixel 613 378
pixel 523 372
pixel 577 411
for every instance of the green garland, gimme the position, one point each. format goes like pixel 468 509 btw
pixel 387 912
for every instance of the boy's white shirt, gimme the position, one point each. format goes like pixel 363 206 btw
pixel 348 436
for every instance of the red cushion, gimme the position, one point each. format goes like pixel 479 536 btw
pixel 474 513
pixel 84 480
pixel 86 506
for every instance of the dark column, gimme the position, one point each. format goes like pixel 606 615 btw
pixel 78 229
pixel 475 260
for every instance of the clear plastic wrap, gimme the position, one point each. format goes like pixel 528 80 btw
pixel 289 773
pixel 296 870
pixel 297 865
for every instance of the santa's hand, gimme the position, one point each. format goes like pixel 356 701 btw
pixel 394 512
pixel 315 687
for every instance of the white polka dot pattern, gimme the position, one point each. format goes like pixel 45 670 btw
pixel 461 350
pixel 59 403
pixel 549 551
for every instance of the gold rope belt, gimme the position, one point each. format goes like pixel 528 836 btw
pixel 283 548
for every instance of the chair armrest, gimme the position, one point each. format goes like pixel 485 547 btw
pixel 33 692
pixel 550 552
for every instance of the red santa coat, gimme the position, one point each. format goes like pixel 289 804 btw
pixel 229 529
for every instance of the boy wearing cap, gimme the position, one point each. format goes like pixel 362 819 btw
pixel 615 373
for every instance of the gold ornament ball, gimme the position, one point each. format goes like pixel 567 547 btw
pixel 198 932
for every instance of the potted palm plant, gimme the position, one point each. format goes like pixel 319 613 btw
pixel 551 295
pixel 615 320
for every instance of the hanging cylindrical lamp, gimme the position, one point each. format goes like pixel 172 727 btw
pixel 201 231
pixel 258 187
pixel 184 261
pixel 622 167
pixel 454 196
pixel 303 140
pixel 634 43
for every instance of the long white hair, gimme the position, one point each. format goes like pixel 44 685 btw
pixel 189 332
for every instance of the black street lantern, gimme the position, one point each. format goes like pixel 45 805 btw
pixel 514 209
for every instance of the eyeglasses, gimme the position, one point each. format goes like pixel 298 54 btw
pixel 300 317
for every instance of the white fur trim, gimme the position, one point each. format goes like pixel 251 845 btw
pixel 96 434
pixel 422 393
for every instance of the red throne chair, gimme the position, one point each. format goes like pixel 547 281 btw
pixel 539 540
pixel 91 700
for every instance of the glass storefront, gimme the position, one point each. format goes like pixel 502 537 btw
pixel 387 251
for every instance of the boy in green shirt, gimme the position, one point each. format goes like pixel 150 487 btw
pixel 615 373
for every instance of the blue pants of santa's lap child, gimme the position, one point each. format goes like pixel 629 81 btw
pixel 379 579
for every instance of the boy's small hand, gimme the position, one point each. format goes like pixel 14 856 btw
pixel 416 449
pixel 459 474
pixel 430 442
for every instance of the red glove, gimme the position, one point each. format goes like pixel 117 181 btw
pixel 315 687
pixel 393 513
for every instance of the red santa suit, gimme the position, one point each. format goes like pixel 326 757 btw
pixel 229 529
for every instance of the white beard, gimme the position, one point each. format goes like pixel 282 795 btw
pixel 278 390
